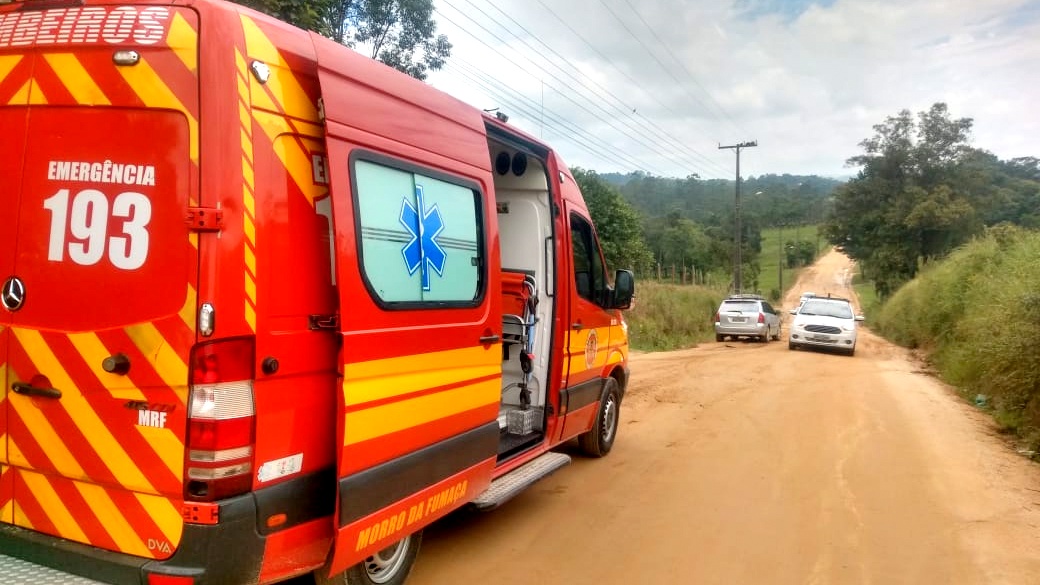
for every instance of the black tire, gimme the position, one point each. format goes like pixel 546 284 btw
pixel 765 338
pixel 851 352
pixel 389 566
pixel 791 346
pixel 777 336
pixel 598 441
pixel 719 337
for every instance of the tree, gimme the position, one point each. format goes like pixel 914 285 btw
pixel 400 33
pixel 912 202
pixel 617 224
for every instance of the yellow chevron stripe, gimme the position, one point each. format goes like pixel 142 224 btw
pixel 292 156
pixel 187 312
pixel 170 367
pixel 44 434
pixel 90 348
pixel 167 446
pixel 283 85
pixel 76 79
pixel 390 377
pixel 7 64
pixel 165 515
pixel 184 41
pixel 163 442
pixel 28 94
pixel 19 518
pixel 54 507
pixel 112 520
pixel 381 420
pixel 154 92
pixel 87 421
pixel 7 513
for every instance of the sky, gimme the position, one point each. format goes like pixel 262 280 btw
pixel 658 85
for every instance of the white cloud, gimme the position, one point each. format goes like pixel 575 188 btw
pixel 808 83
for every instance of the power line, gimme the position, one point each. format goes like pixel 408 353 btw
pixel 623 108
pixel 671 54
pixel 577 135
pixel 608 121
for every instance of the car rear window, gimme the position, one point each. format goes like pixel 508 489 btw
pixel 743 306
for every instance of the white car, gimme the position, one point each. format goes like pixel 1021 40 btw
pixel 826 322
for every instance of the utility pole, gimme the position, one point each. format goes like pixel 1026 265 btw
pixel 737 235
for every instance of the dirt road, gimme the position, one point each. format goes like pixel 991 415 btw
pixel 745 463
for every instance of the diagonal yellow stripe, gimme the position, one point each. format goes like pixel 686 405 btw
pixel 112 520
pixel 52 505
pixel 167 446
pixel 184 41
pixel 163 441
pixel 89 423
pixel 187 312
pixel 154 92
pixel 7 64
pixel 45 436
pixel 170 367
pixel 282 84
pixel 76 80
pixel 20 519
pixel 93 351
pixel 165 515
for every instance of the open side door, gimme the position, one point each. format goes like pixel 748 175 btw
pixel 421 353
pixel 588 324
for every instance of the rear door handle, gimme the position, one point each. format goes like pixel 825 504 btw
pixel 578 326
pixel 488 339
pixel 30 390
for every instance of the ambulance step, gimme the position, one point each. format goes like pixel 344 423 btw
pixel 18 572
pixel 509 485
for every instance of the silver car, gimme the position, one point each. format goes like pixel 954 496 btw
pixel 827 322
pixel 746 316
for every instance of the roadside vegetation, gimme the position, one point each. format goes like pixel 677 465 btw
pixel 945 235
pixel 977 316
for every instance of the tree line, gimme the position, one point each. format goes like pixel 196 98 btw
pixel 922 191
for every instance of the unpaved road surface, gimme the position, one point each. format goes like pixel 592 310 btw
pixel 746 463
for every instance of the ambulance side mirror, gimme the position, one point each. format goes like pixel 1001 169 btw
pixel 624 289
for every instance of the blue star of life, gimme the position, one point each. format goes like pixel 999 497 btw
pixel 423 252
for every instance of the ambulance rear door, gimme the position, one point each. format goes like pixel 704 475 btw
pixel 13 121
pixel 95 191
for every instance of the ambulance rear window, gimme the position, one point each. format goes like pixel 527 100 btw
pixel 420 237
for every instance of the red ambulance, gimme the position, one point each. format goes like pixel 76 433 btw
pixel 268 307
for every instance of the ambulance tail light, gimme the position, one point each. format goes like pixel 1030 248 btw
pixel 221 420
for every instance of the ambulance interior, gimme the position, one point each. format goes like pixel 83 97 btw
pixel 528 294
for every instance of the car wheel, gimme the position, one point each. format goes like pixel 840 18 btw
pixel 598 441
pixel 791 346
pixel 851 352
pixel 719 337
pixel 777 336
pixel 389 566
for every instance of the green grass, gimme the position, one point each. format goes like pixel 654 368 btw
pixel 977 315
pixel 672 316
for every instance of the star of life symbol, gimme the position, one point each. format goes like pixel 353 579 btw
pixel 423 252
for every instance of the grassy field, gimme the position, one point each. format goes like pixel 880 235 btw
pixel 770 258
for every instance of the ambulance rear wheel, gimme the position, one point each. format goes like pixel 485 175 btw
pixel 598 441
pixel 389 566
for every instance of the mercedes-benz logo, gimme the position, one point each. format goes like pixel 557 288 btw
pixel 13 294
